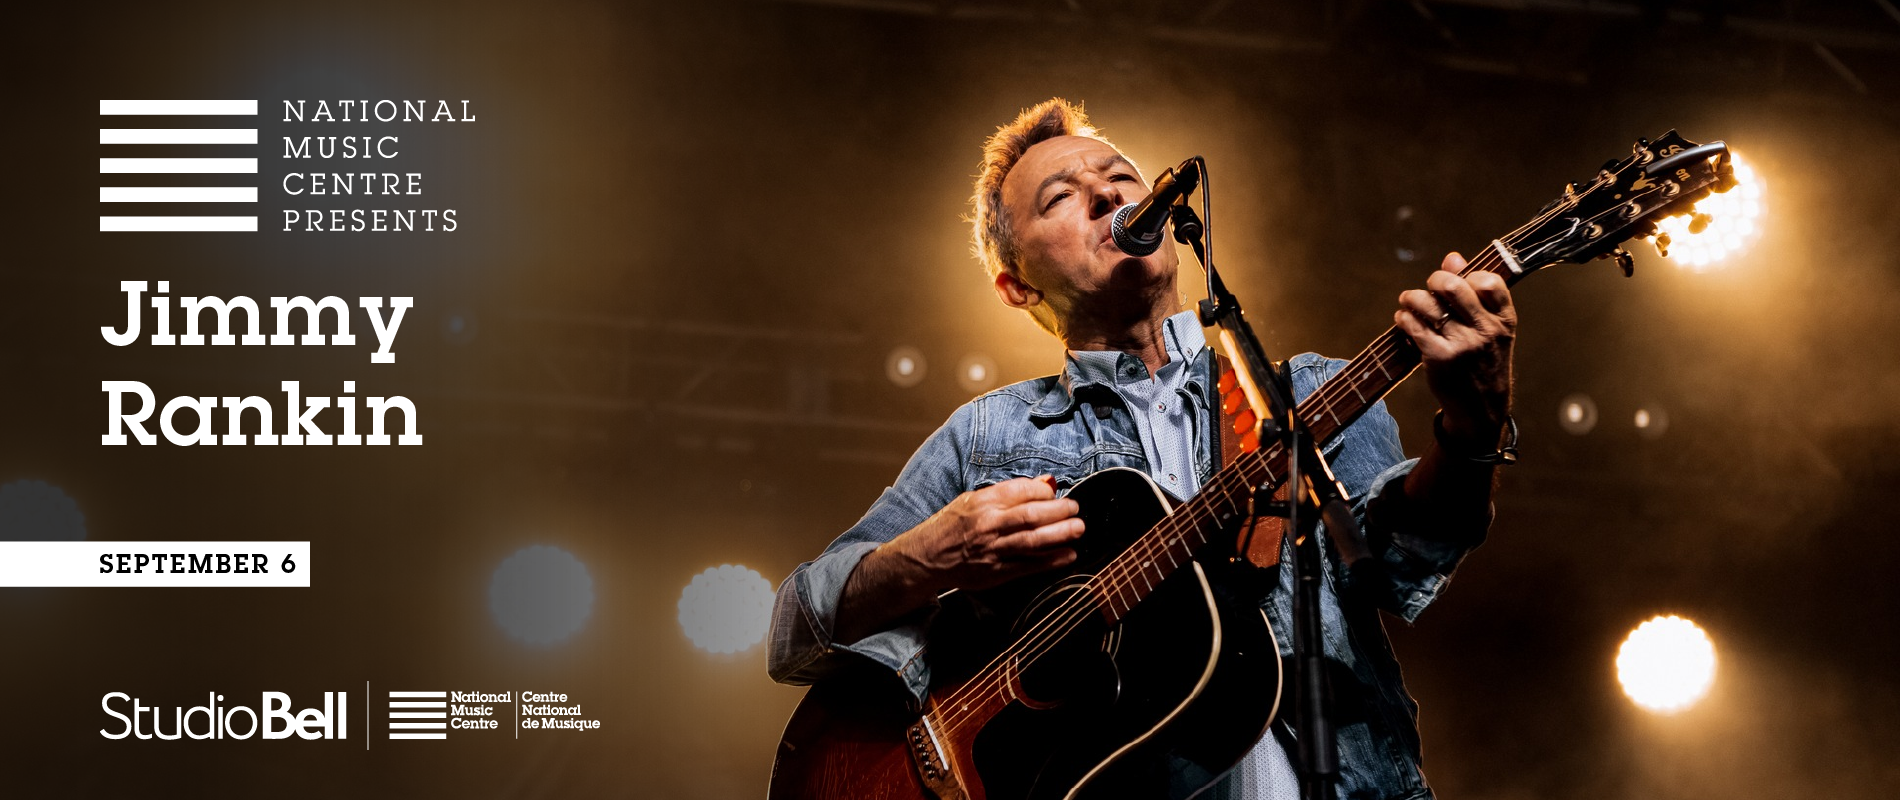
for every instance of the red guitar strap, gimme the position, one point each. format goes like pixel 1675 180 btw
pixel 1259 539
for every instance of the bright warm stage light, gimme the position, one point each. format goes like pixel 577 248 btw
pixel 726 609
pixel 1734 222
pixel 1666 664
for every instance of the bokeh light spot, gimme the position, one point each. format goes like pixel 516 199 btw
pixel 1651 421
pixel 976 373
pixel 37 511
pixel 726 609
pixel 1577 414
pixel 1666 664
pixel 905 366
pixel 541 595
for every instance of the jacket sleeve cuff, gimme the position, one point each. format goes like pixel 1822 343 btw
pixel 1411 561
pixel 803 650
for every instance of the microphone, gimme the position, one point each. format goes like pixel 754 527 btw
pixel 1137 227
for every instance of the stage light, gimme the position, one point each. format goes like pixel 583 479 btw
pixel 541 595
pixel 37 511
pixel 1666 664
pixel 976 373
pixel 905 366
pixel 1732 223
pixel 1577 414
pixel 726 609
pixel 1651 421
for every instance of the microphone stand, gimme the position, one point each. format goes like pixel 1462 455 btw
pixel 1314 493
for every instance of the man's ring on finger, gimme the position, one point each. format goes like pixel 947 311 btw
pixel 1439 324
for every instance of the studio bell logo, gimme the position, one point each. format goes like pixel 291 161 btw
pixel 272 719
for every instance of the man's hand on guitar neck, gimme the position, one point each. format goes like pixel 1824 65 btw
pixel 1463 326
pixel 981 539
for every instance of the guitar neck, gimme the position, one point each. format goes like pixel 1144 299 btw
pixel 1372 374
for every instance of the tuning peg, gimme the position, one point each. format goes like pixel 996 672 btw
pixel 1624 261
pixel 1725 175
pixel 1662 244
pixel 1698 222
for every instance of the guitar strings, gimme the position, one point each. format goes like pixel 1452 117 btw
pixel 1063 620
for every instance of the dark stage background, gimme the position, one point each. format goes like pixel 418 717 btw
pixel 691 235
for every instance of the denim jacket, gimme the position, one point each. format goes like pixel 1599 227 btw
pixel 1069 429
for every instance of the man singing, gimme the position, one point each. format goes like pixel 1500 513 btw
pixel 979 504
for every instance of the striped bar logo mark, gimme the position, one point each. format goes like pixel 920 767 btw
pixel 178 108
pixel 174 166
pixel 178 136
pixel 121 166
pixel 177 194
pixel 412 715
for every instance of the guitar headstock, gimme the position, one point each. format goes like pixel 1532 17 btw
pixel 1593 218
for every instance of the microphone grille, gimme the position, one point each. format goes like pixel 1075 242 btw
pixel 1125 240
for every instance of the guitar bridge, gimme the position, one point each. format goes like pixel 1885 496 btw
pixel 933 768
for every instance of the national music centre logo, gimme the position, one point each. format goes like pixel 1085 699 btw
pixel 431 715
pixel 184 113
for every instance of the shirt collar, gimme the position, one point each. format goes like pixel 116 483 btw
pixel 1181 336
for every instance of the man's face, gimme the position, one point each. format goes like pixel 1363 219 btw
pixel 1060 197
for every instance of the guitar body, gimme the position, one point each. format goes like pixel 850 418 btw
pixel 1158 704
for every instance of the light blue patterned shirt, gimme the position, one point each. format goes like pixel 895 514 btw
pixel 1165 406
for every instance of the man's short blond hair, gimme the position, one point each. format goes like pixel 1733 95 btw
pixel 992 240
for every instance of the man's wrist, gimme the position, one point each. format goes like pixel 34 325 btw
pixel 1490 444
pixel 883 587
pixel 908 582
pixel 1467 429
